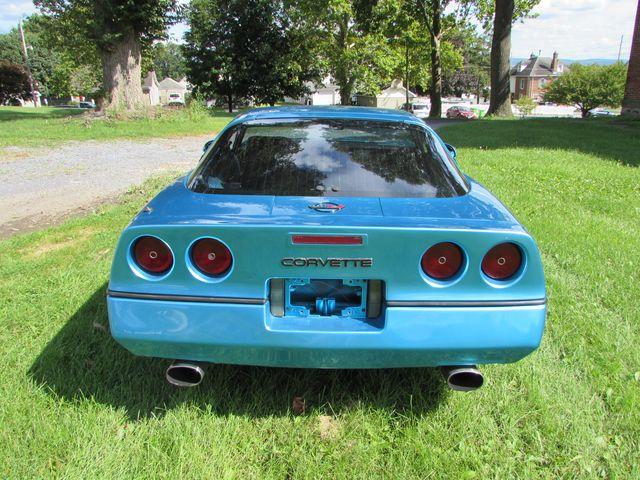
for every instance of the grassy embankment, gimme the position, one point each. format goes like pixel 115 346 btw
pixel 74 404
pixel 47 126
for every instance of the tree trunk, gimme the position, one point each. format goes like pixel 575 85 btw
pixel 230 103
pixel 122 76
pixel 500 99
pixel 342 73
pixel 436 65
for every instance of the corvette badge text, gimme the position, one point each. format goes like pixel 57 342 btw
pixel 326 262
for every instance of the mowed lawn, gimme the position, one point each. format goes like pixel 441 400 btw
pixel 73 404
pixel 48 126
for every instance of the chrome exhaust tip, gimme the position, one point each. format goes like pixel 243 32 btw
pixel 184 374
pixel 463 378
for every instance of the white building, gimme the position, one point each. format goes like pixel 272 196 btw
pixel 172 91
pixel 393 97
pixel 151 89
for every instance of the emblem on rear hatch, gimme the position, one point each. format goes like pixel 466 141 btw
pixel 326 207
pixel 326 262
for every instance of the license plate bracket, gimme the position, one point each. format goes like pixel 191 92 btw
pixel 305 297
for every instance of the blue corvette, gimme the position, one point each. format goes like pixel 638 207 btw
pixel 327 238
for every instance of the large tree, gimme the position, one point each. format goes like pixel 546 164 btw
pixel 353 40
pixel 117 30
pixel 438 24
pixel 239 49
pixel 500 16
pixel 500 100
pixel 589 86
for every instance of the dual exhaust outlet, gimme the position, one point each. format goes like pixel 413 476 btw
pixel 461 378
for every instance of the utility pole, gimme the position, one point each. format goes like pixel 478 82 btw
pixel 620 47
pixel 26 62
pixel 406 86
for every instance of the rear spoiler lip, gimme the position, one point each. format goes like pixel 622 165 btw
pixel 262 301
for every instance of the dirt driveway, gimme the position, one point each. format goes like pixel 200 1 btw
pixel 39 187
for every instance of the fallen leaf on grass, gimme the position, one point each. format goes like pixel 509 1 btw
pixel 299 405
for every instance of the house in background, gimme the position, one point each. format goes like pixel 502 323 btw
pixel 324 93
pixel 151 89
pixel 530 77
pixel 172 91
pixel 393 97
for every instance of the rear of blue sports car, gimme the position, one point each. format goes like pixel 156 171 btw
pixel 327 238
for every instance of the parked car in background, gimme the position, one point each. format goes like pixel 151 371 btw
pixel 421 110
pixel 600 112
pixel 86 105
pixel 461 112
pixel 316 237
pixel 176 99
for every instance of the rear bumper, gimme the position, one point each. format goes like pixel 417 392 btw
pixel 248 334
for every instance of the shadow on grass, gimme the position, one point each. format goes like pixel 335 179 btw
pixel 615 140
pixel 8 114
pixel 83 361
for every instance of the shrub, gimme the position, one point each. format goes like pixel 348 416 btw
pixel 525 106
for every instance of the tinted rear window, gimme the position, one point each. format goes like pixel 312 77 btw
pixel 335 157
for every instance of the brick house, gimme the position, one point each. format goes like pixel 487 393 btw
pixel 530 77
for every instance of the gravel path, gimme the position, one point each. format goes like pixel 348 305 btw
pixel 39 187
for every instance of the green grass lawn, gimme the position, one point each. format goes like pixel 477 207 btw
pixel 47 126
pixel 73 404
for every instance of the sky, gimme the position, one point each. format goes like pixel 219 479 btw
pixel 576 29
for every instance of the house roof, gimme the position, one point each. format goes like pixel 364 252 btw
pixel 396 90
pixel 534 67
pixel 170 84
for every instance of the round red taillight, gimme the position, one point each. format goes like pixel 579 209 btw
pixel 152 255
pixel 442 261
pixel 211 256
pixel 502 261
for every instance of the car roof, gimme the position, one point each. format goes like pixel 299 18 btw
pixel 367 113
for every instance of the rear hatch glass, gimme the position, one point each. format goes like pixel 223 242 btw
pixel 329 158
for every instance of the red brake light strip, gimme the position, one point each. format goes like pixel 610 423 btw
pixel 327 239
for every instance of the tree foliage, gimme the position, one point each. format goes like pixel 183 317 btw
pixel 14 82
pixel 589 86
pixel 167 60
pixel 355 43
pixel 247 49
pixel 472 76
pixel 439 19
pixel 43 59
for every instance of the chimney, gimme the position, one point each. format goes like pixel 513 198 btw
pixel 554 62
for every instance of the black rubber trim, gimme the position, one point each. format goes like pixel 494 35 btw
pixel 468 303
pixel 186 298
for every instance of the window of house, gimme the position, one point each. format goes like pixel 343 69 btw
pixel 522 84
